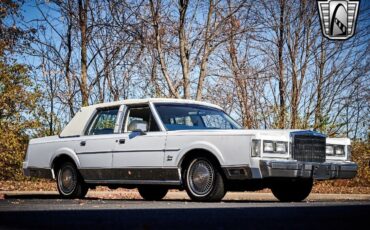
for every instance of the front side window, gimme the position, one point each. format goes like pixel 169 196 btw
pixel 182 117
pixel 140 117
pixel 104 122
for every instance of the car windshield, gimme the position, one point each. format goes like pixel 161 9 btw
pixel 190 116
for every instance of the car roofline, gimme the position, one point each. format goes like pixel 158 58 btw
pixel 150 100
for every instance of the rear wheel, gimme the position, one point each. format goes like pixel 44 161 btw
pixel 152 192
pixel 69 182
pixel 292 190
pixel 203 180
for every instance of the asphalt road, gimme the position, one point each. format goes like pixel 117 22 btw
pixel 47 211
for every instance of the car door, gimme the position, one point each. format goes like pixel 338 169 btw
pixel 95 148
pixel 139 155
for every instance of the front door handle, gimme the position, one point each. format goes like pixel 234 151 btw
pixel 83 143
pixel 121 141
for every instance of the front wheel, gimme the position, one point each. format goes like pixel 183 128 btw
pixel 294 190
pixel 203 180
pixel 152 192
pixel 69 182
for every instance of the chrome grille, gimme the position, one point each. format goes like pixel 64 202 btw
pixel 309 148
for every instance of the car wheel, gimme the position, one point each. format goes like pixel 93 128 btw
pixel 69 182
pixel 203 181
pixel 292 190
pixel 152 192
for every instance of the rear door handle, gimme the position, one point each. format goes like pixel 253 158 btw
pixel 121 141
pixel 83 143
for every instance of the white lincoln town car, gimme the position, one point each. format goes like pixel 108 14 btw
pixel 160 144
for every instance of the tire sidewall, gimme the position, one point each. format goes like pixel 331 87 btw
pixel 216 192
pixel 80 188
pixel 59 178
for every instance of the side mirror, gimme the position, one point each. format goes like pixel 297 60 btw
pixel 139 131
pixel 138 127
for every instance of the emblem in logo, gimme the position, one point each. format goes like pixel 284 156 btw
pixel 338 18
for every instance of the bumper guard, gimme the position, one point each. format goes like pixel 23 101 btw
pixel 319 171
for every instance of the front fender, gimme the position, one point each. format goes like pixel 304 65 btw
pixel 65 151
pixel 200 145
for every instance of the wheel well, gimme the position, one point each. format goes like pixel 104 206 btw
pixel 199 153
pixel 59 160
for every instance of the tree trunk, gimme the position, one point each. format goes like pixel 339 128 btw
pixel 203 64
pixel 153 78
pixel 281 122
pixel 82 9
pixel 155 18
pixel 240 83
pixel 68 61
pixel 184 52
pixel 318 125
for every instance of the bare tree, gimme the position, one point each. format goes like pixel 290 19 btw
pixel 280 32
pixel 156 17
pixel 264 61
pixel 82 12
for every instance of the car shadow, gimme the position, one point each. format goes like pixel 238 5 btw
pixel 250 201
pixel 57 196
pixel 31 196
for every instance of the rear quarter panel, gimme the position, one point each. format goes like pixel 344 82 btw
pixel 41 152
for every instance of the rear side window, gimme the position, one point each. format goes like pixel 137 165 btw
pixel 104 122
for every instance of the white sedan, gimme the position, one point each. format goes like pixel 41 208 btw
pixel 158 144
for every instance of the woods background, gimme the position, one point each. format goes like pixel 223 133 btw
pixel 264 61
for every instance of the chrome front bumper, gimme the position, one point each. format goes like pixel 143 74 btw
pixel 319 171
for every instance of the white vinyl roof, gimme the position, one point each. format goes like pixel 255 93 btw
pixel 147 100
pixel 77 125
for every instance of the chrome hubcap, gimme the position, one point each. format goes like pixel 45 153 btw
pixel 200 177
pixel 67 180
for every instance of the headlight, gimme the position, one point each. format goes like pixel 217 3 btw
pixel 281 147
pixel 275 146
pixel 268 146
pixel 256 148
pixel 335 150
pixel 329 150
pixel 339 150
